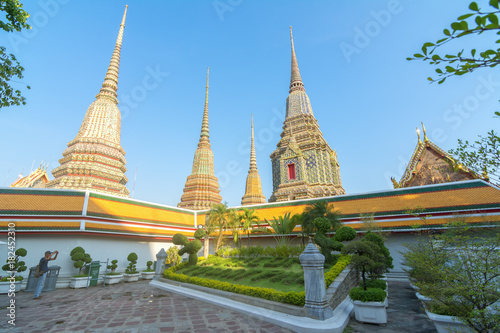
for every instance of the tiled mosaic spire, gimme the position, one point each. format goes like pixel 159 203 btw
pixel 253 191
pixel 95 160
pixel 202 187
pixel 304 165
pixel 295 79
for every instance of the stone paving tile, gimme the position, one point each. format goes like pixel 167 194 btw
pixel 137 308
pixel 126 307
pixel 405 314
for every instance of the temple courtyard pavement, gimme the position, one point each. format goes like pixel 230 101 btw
pixel 137 307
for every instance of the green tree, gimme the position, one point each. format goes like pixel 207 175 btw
pixel 248 218
pixel 283 227
pixel 315 210
pixel 9 66
pixel 80 258
pixel 482 156
pixel 366 258
pixel 460 272
pixel 220 217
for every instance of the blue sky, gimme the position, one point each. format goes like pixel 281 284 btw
pixel 366 96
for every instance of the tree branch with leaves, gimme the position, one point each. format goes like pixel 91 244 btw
pixel 476 22
pixel 10 68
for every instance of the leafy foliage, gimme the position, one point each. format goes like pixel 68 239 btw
pixel 16 265
pixel 377 239
pixel 482 156
pixel 190 247
pixel 319 209
pixel 248 218
pixel 345 234
pixel 131 268
pixel 367 295
pixel 476 22
pixel 9 66
pixel 283 227
pixel 80 258
pixel 173 257
pixel 220 217
pixel 326 244
pixel 366 257
pixel 460 271
pixel 113 265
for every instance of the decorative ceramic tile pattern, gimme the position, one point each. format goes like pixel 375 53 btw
pixel 302 143
pixel 202 187
pixel 95 160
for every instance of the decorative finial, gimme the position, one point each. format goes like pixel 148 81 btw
pixel 204 136
pixel 253 158
pixel 295 79
pixel 425 134
pixel 418 135
pixel 110 84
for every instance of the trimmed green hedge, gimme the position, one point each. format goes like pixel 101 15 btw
pixel 368 295
pixel 291 297
pixel 332 274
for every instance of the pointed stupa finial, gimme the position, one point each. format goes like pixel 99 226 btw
pixel 204 136
pixel 253 158
pixel 425 133
pixel 418 135
pixel 295 79
pixel 110 84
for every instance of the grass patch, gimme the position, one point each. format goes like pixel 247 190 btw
pixel 281 274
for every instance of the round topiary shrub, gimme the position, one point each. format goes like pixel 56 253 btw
pixel 80 258
pixel 131 268
pixel 345 234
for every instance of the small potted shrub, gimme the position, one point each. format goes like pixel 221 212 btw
pixel 131 274
pixel 148 273
pixel 113 277
pixel 14 266
pixel 81 261
pixel 369 303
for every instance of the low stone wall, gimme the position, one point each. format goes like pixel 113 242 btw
pixel 335 294
pixel 260 302
pixel 339 289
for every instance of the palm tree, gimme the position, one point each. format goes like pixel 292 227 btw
pixel 247 218
pixel 219 218
pixel 282 226
pixel 315 210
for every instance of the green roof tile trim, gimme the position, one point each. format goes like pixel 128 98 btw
pixel 140 203
pixel 63 193
pixel 388 193
pixel 426 211
pixel 58 228
pixel 109 231
pixel 126 218
pixel 37 212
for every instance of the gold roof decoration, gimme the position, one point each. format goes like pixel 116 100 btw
pixel 36 179
pixel 430 164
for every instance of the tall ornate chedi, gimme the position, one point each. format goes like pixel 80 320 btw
pixel 253 191
pixel 202 187
pixel 304 165
pixel 95 160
